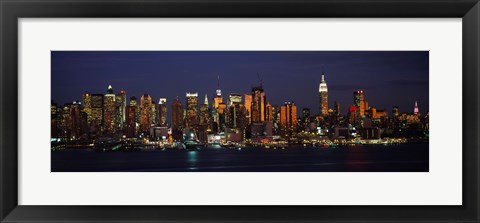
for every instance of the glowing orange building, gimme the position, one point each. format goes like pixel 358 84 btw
pixel 258 104
pixel 288 118
pixel 145 112
pixel 248 107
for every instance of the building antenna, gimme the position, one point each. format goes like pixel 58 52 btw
pixel 323 73
pixel 218 81
pixel 260 79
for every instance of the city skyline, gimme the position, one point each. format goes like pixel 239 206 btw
pixel 414 83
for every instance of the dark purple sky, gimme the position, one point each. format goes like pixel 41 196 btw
pixel 388 77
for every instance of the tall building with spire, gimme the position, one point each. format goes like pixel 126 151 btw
pixel 109 114
pixel 205 114
pixel 415 109
pixel 258 108
pixel 323 95
pixel 206 100
pixel 218 95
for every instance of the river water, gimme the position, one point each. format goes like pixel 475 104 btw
pixel 359 158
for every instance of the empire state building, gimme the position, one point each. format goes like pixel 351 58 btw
pixel 323 95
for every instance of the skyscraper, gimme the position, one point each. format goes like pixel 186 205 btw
pixel 177 115
pixel 323 92
pixel 145 112
pixel 131 121
pixel 268 112
pixel 258 104
pixel 336 108
pixel 236 116
pixel 218 95
pixel 234 98
pixel 288 118
pixel 162 112
pixel 415 109
pixel 360 103
pixel 204 114
pixel 191 119
pixel 205 102
pixel 87 106
pixel 121 104
pixel 96 114
pixel 109 114
pixel 396 111
pixel 248 107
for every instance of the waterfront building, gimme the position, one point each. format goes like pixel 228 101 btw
pixel 323 95
pixel 162 112
pixel 109 108
pixel 191 119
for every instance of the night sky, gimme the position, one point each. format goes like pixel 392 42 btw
pixel 388 77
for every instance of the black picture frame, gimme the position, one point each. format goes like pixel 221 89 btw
pixel 12 10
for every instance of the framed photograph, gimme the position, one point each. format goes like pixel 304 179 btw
pixel 250 111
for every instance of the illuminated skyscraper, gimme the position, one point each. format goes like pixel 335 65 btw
pixel 395 111
pixel 87 106
pixel 248 107
pixel 221 112
pixel 133 101
pixel 145 113
pixel 268 112
pixel 205 102
pixel 96 114
pixel 162 112
pixel 360 103
pixel 258 104
pixel 323 92
pixel 236 118
pixel 234 98
pixel 218 95
pixel 205 114
pixel 415 109
pixel 177 115
pixel 191 119
pixel 288 118
pixel 109 111
pixel 121 104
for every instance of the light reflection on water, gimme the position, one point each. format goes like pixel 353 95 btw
pixel 292 159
